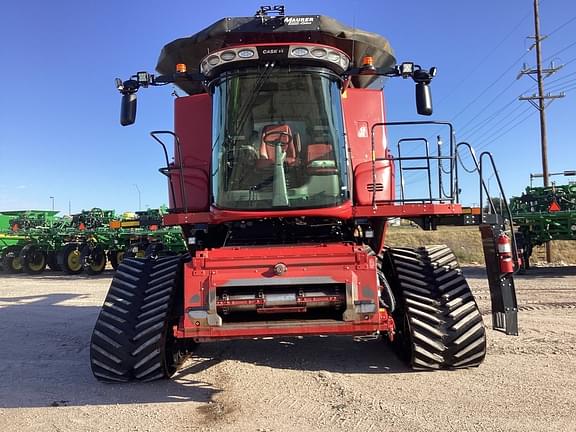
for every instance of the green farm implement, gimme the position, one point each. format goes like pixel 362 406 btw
pixel 30 241
pixel 15 227
pixel 543 214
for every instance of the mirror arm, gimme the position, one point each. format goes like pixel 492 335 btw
pixel 144 79
pixel 404 70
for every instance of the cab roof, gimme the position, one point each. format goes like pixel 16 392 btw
pixel 276 29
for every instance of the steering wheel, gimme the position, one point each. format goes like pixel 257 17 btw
pixel 277 137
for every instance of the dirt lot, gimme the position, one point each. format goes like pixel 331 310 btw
pixel 526 383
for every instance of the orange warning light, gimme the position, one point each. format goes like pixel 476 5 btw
pixel 181 67
pixel 368 61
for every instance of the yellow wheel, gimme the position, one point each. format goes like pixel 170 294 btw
pixel 32 259
pixel 93 259
pixel 116 258
pixel 70 257
pixel 11 260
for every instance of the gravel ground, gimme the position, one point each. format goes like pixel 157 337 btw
pixel 315 384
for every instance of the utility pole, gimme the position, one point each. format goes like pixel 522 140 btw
pixel 541 98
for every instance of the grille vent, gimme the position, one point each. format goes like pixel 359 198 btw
pixel 374 187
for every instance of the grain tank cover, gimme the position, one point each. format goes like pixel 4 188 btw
pixel 282 29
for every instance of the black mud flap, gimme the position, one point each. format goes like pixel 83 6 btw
pixel 502 291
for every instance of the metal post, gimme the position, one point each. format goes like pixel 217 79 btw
pixel 52 198
pixel 139 197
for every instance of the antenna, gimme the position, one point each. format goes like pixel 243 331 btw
pixel 354 39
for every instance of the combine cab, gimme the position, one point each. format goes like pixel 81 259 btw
pixel 283 183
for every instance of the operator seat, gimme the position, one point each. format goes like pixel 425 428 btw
pixel 273 135
pixel 320 159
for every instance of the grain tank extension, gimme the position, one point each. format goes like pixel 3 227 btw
pixel 283 183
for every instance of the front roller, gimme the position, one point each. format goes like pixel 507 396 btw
pixel 438 322
pixel 132 338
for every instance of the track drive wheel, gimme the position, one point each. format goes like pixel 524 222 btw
pixel 438 322
pixel 93 259
pixel 132 338
pixel 33 259
pixel 11 260
pixel 115 258
pixel 70 258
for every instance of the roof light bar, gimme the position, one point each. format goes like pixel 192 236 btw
pixel 227 56
pixel 333 57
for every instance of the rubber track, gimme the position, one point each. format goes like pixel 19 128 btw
pixel 446 330
pixel 129 338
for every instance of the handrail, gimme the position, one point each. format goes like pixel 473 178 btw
pixel 476 169
pixel 427 167
pixel 453 195
pixel 487 154
pixel 167 171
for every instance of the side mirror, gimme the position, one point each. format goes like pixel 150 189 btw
pixel 128 109
pixel 423 99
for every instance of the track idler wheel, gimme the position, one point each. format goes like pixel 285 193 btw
pixel 132 338
pixel 69 258
pixel 439 325
pixel 33 259
pixel 93 259
pixel 11 260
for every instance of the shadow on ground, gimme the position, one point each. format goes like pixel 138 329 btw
pixel 44 359
pixel 340 354
pixel 56 275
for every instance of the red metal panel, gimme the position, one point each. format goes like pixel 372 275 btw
pixel 296 328
pixel 407 210
pixel 343 211
pixel 193 126
pixel 363 108
pixel 233 267
pixel 366 180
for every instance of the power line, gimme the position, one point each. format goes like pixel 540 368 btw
pixel 499 134
pixel 558 52
pixel 557 29
pixel 490 54
pixel 490 86
pixel 559 86
pixel 503 120
pixel 499 95
pixel 562 78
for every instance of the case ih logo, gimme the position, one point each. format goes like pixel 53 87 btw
pixel 298 20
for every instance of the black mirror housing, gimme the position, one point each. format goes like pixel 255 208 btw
pixel 128 109
pixel 423 99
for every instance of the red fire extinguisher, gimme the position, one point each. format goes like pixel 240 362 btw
pixel 505 254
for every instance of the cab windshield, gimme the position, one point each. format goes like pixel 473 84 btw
pixel 278 140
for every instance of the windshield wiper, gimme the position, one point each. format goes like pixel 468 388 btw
pixel 247 107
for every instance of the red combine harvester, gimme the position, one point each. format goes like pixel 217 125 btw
pixel 283 183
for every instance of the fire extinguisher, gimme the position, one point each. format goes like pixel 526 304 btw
pixel 505 254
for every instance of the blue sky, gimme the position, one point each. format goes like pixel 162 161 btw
pixel 59 110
